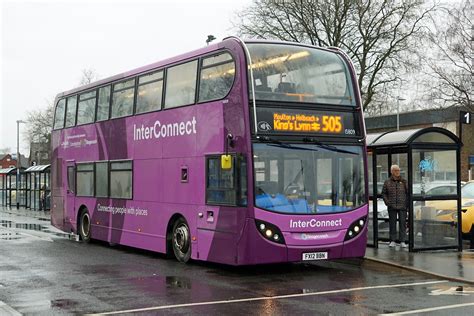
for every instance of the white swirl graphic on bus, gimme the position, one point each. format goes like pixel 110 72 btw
pixel 158 130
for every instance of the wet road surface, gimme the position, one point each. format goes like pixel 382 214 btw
pixel 44 272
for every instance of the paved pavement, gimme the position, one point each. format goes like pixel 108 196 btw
pixel 447 264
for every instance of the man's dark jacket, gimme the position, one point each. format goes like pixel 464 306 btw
pixel 395 193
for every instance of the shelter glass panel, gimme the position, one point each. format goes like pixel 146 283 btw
pixel 434 172
pixel 383 171
pixel 435 223
pixel 370 236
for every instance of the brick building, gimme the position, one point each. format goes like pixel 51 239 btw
pixel 6 161
pixel 9 161
pixel 445 118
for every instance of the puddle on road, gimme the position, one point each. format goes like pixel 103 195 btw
pixel 159 284
pixel 32 227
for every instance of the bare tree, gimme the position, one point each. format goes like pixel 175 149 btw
pixel 377 35
pixel 450 80
pixel 39 124
pixel 89 75
pixel 40 121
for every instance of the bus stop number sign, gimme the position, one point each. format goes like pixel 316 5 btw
pixel 465 117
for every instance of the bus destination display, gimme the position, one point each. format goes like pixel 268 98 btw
pixel 272 121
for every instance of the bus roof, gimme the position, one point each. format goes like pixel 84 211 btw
pixel 159 64
pixel 176 59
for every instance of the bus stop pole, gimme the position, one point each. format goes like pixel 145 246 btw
pixel 18 161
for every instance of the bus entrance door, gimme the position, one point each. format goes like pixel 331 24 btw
pixel 69 207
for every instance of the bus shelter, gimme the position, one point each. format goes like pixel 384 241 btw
pixel 429 160
pixel 8 187
pixel 38 180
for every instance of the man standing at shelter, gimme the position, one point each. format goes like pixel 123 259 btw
pixel 394 192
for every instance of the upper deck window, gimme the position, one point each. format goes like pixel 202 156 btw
pixel 122 98
pixel 150 90
pixel 181 85
pixel 103 104
pixel 59 115
pixel 217 77
pixel 86 108
pixel 300 74
pixel 71 111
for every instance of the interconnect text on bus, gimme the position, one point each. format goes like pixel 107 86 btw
pixel 158 130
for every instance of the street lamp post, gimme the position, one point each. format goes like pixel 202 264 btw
pixel 18 161
pixel 398 111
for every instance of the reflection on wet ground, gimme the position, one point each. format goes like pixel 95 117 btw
pixel 8 235
pixel 63 303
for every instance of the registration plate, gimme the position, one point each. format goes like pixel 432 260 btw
pixel 315 256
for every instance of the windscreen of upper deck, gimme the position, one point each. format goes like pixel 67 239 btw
pixel 293 73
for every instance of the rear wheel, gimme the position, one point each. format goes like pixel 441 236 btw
pixel 181 240
pixel 85 226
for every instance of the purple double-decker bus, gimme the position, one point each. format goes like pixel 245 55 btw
pixel 242 152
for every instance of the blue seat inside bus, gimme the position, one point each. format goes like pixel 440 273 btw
pixel 281 203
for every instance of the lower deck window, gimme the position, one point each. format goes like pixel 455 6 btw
pixel 102 179
pixel 85 179
pixel 121 179
pixel 226 187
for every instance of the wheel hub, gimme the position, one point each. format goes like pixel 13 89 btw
pixel 181 238
pixel 85 225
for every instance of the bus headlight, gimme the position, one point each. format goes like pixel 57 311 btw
pixel 355 229
pixel 270 232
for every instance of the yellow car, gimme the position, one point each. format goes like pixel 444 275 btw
pixel 446 210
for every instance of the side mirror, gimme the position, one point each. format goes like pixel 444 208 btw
pixel 226 162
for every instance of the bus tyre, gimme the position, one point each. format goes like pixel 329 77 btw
pixel 181 240
pixel 85 226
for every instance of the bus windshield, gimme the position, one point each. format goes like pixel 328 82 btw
pixel 308 178
pixel 300 74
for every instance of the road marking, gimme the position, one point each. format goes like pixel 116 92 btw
pixel 8 310
pixel 268 297
pixel 425 310
pixel 452 291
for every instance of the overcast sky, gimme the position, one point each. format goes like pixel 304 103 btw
pixel 45 44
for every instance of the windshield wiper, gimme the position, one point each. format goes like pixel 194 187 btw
pixel 267 139
pixel 328 147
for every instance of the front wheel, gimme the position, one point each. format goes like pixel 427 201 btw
pixel 85 226
pixel 181 240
